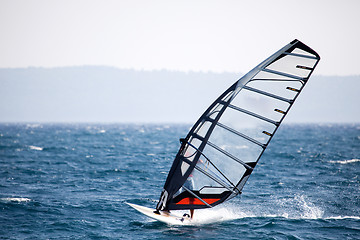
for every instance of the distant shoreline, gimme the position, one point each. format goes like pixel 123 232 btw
pixel 109 94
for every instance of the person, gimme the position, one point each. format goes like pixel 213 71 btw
pixel 189 184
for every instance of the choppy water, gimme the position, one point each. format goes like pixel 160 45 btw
pixel 72 182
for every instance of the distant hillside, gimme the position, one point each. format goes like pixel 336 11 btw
pixel 105 94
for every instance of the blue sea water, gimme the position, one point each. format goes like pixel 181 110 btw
pixel 71 181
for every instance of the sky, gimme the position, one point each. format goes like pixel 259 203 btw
pixel 203 35
pixel 185 37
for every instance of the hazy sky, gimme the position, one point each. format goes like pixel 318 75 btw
pixel 217 36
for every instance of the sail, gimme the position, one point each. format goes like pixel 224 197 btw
pixel 221 150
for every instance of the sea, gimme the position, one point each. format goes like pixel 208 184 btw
pixel 72 181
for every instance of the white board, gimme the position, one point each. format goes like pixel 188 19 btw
pixel 169 218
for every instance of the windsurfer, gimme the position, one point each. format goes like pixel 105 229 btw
pixel 189 184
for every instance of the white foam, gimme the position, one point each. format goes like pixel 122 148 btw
pixel 217 215
pixel 346 161
pixel 343 217
pixel 36 125
pixel 214 215
pixel 36 148
pixel 15 199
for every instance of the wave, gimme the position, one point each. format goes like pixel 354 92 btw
pixel 346 161
pixel 344 217
pixel 36 148
pixel 15 199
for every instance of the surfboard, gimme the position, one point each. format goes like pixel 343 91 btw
pixel 169 218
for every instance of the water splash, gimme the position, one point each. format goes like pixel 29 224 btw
pixel 214 215
pixel 295 207
pixel 299 207
pixel 219 214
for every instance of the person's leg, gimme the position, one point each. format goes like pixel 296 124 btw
pixel 191 213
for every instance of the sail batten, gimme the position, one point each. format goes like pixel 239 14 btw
pixel 241 134
pixel 282 74
pixel 213 178
pixel 221 150
pixel 267 94
pixel 229 155
pixel 207 159
pixel 301 55
pixel 276 79
pixel 254 114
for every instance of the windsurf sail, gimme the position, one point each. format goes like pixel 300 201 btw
pixel 221 150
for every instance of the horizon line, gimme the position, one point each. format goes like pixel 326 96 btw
pixel 152 70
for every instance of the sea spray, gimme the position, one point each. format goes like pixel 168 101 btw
pixel 298 207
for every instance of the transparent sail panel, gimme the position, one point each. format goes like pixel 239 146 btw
pixel 236 145
pixel 293 65
pixel 203 128
pixel 249 127
pixel 260 104
pixel 191 149
pixel 225 166
pixel 272 76
pixel 286 89
pixel 302 52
